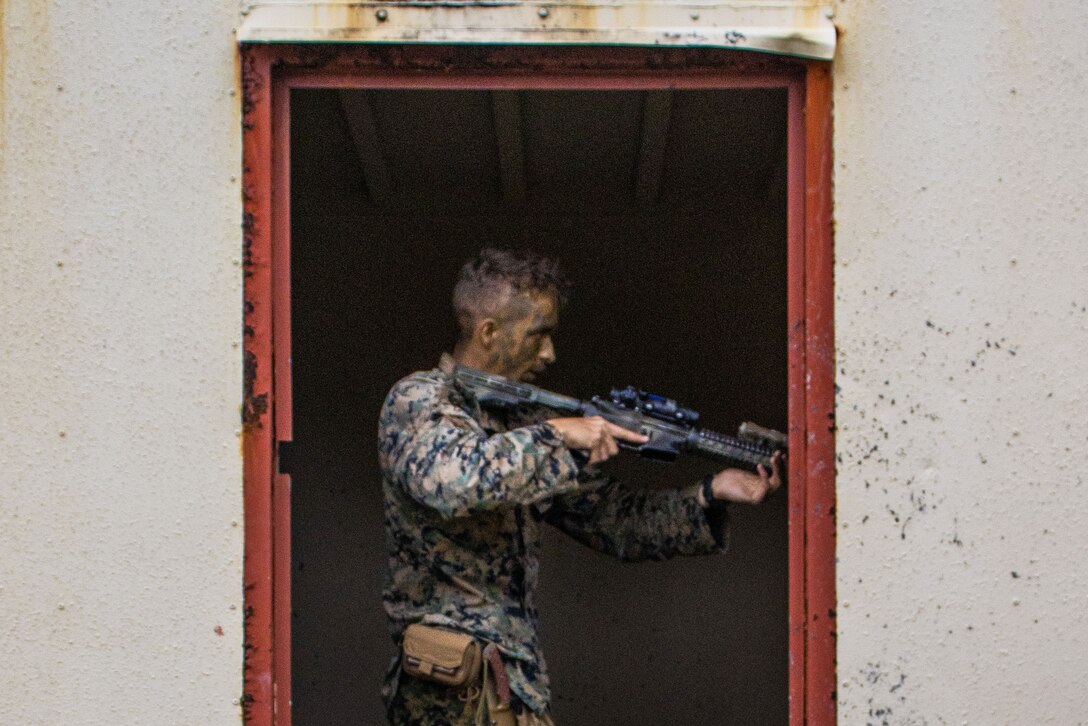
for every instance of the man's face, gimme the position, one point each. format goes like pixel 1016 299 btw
pixel 523 345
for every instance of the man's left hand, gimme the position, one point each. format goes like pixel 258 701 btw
pixel 737 485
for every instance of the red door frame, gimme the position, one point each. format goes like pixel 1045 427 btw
pixel 270 71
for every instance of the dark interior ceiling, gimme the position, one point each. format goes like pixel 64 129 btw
pixel 563 153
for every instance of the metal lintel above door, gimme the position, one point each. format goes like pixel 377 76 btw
pixel 801 28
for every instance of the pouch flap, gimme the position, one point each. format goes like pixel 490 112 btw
pixel 443 648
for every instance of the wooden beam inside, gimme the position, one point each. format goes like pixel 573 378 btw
pixel 656 114
pixel 507 111
pixel 368 146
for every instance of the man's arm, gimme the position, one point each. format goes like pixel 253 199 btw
pixel 634 525
pixel 442 457
pixel 637 525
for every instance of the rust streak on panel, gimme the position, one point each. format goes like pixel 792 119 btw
pixel 798 28
pixel 517 67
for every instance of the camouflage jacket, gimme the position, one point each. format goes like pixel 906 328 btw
pixel 465 493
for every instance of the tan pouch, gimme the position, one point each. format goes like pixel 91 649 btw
pixel 443 656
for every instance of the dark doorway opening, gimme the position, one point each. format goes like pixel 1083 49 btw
pixel 668 209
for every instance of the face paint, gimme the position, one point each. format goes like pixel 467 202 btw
pixel 524 346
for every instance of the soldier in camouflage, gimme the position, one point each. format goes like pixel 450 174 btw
pixel 467 490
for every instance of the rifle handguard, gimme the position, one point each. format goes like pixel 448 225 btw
pixel 671 428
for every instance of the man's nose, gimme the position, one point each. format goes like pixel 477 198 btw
pixel 547 351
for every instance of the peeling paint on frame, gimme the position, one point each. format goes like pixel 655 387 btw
pixel 258 689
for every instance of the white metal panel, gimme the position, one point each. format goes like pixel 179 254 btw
pixel 121 376
pixel 798 27
pixel 961 332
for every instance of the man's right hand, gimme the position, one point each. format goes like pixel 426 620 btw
pixel 595 435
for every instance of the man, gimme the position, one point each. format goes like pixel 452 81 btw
pixel 466 491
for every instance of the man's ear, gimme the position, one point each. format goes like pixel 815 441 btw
pixel 487 330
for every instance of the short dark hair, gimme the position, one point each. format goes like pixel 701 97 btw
pixel 490 280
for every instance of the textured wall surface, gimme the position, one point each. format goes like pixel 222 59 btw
pixel 962 325
pixel 962 321
pixel 120 301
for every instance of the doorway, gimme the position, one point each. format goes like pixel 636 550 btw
pixel 680 288
pixel 670 205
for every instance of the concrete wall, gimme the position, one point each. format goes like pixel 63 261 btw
pixel 962 321
pixel 120 470
pixel 961 326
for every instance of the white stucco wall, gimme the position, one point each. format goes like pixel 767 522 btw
pixel 120 301
pixel 962 333
pixel 961 325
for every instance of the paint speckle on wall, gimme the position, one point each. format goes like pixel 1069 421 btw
pixel 961 328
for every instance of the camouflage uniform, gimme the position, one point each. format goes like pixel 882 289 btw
pixel 466 491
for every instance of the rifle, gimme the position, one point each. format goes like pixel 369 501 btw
pixel 671 428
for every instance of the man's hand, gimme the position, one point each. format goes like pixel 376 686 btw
pixel 594 435
pixel 737 485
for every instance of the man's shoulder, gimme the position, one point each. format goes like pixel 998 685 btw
pixel 420 381
pixel 418 386
pixel 417 391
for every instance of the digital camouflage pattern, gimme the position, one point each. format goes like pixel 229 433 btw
pixel 423 703
pixel 465 493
